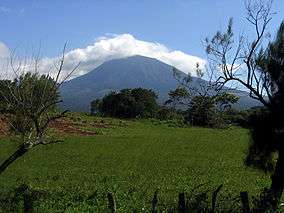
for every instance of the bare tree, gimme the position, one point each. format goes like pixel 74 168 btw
pixel 235 59
pixel 31 101
pixel 261 72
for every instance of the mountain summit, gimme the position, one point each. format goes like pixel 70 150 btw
pixel 117 74
pixel 132 72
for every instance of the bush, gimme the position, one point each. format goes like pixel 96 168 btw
pixel 165 113
pixel 202 111
pixel 128 103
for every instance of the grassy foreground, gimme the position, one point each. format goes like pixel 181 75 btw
pixel 132 159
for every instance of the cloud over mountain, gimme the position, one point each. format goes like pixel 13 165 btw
pixel 125 45
pixel 119 46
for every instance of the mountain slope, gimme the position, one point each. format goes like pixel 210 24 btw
pixel 131 72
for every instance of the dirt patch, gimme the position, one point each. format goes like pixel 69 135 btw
pixel 61 125
pixel 70 128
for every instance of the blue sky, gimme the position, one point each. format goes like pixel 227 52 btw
pixel 177 24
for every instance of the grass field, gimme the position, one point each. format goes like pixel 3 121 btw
pixel 132 159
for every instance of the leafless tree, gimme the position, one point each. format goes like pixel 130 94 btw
pixel 234 59
pixel 31 100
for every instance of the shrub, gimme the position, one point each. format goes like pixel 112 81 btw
pixel 128 103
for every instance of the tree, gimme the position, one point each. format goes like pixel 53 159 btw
pixel 5 90
pixel 30 104
pixel 202 111
pixel 146 102
pixel 95 106
pixel 128 103
pixel 224 100
pixel 205 103
pixel 261 72
pixel 177 97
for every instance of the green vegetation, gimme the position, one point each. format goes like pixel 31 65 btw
pixel 206 105
pixel 128 103
pixel 132 159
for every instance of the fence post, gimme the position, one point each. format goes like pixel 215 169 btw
pixel 214 198
pixel 181 202
pixel 245 202
pixel 28 202
pixel 155 202
pixel 111 202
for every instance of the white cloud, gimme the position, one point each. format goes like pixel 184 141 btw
pixel 7 10
pixel 125 45
pixel 120 46
pixel 4 56
pixel 4 50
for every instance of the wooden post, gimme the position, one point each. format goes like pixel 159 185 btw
pixel 181 202
pixel 111 202
pixel 28 202
pixel 214 198
pixel 245 202
pixel 155 202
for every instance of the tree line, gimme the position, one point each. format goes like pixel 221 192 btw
pixel 202 106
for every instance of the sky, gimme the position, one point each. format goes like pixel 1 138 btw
pixel 99 30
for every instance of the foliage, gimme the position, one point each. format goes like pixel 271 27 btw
pixel 25 100
pixel 260 154
pixel 95 107
pixel 205 104
pixel 224 100
pixel 4 92
pixel 238 117
pixel 177 97
pixel 202 111
pixel 267 124
pixel 166 113
pixel 128 103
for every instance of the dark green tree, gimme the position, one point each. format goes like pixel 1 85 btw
pixel 224 100
pixel 177 97
pixel 4 93
pixel 128 103
pixel 202 111
pixel 95 107
pixel 146 101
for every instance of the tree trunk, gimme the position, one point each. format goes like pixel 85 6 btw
pixel 277 185
pixel 22 149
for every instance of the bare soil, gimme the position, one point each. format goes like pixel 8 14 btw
pixel 68 127
pixel 61 125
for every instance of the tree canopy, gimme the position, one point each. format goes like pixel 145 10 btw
pixel 128 103
pixel 204 104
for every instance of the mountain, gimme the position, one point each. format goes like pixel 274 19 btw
pixel 131 72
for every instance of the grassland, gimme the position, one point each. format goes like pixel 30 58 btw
pixel 132 159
